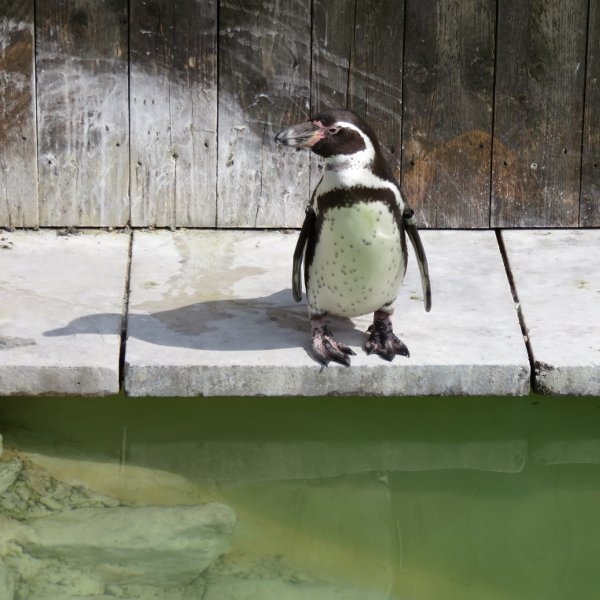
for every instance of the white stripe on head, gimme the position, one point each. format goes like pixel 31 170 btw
pixel 361 159
pixel 344 171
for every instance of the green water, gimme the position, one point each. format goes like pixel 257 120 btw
pixel 416 499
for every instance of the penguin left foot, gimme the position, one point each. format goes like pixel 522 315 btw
pixel 383 340
pixel 326 349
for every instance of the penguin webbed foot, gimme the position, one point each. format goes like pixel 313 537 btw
pixel 383 341
pixel 326 349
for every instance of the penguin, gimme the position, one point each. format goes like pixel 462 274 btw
pixel 352 241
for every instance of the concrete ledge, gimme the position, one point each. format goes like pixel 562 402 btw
pixel 211 313
pixel 557 277
pixel 49 285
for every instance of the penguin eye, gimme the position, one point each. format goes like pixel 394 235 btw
pixel 333 130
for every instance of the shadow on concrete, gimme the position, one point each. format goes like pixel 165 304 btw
pixel 262 323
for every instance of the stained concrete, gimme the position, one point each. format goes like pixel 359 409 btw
pixel 557 278
pixel 60 313
pixel 211 313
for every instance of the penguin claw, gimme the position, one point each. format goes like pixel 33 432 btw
pixel 326 349
pixel 384 342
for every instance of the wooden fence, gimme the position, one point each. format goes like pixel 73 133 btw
pixel 162 112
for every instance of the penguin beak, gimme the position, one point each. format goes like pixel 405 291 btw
pixel 304 135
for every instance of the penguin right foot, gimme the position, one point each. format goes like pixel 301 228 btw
pixel 383 341
pixel 326 349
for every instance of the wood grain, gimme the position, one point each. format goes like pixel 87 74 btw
pixel 538 112
pixel 83 120
pixel 18 161
pixel 264 64
pixel 332 40
pixel 447 122
pixel 173 112
pixel 590 175
pixel 375 77
pixel 202 86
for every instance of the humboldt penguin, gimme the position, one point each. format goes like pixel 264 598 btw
pixel 352 240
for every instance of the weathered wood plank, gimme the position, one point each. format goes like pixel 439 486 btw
pixel 590 175
pixel 538 112
pixel 264 62
pixel 332 39
pixel 83 120
pixel 173 112
pixel 447 122
pixel 18 162
pixel 375 79
pixel 357 63
pixel 332 33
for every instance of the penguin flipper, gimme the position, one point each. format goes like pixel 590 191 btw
pixel 410 223
pixel 305 233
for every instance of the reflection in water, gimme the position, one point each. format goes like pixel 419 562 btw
pixel 364 498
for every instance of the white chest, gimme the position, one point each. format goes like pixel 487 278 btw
pixel 358 264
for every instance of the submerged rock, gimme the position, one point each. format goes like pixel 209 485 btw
pixel 7 583
pixel 265 589
pixel 30 490
pixel 165 546
pixel 9 471
pixel 60 541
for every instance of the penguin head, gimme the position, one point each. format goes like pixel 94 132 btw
pixel 336 135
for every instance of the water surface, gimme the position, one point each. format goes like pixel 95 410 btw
pixel 402 498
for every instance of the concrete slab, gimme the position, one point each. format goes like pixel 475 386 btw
pixel 60 313
pixel 211 313
pixel 557 278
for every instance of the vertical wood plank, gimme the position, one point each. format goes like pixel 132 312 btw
pixel 173 112
pixel 590 176
pixel 357 64
pixel 83 123
pixel 333 34
pixel 538 112
pixel 332 40
pixel 447 123
pixel 264 63
pixel 375 78
pixel 18 161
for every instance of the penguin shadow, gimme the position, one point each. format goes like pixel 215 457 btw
pixel 263 323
